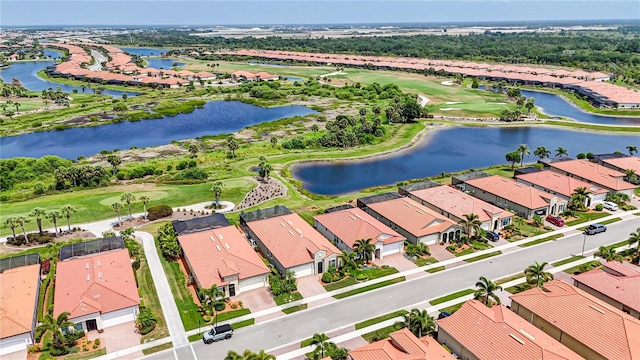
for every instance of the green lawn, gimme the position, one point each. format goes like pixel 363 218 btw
pixel 540 241
pixel 425 261
pixel 449 297
pixel 379 334
pixel 509 278
pixel 567 260
pixel 370 287
pixel 243 323
pixel 351 280
pixel 85 356
pixel 95 204
pixel 518 288
pixel 283 299
pixel 483 256
pixel 466 251
pixel 435 269
pixel 149 295
pixel 584 217
pixel 231 314
pixel 155 349
pixel 307 342
pixel 293 309
pixel 453 308
pixel 379 319
pixel 590 265
pixel 189 311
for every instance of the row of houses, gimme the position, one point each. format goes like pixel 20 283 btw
pixel 597 318
pixel 591 85
pixel 243 75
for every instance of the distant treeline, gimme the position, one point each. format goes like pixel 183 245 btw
pixel 615 52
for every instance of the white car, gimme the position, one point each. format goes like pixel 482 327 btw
pixel 610 206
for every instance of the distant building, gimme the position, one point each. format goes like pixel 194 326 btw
pixel 562 185
pixel 402 345
pixel 622 163
pixel 602 176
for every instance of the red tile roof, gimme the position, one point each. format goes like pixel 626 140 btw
pixel 18 299
pixel 594 173
pixel 560 183
pixel 291 240
pixel 620 282
pixel 412 216
pixel 101 283
pixel 457 203
pixel 605 330
pixel 629 162
pixel 215 254
pixel 514 192
pixel 402 345
pixel 498 333
pixel 353 224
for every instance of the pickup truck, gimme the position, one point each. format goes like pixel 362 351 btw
pixel 218 333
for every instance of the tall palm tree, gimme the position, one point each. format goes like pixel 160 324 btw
pixel 523 149
pixel 365 248
pixel 128 198
pixel 560 152
pixel 216 189
pixel 11 223
pixel 347 259
pixel 608 254
pixel 232 144
pixel 144 200
pixel 21 220
pixel 418 322
pixel 67 211
pixel 632 149
pixel 486 289
pixel 116 206
pixel 208 297
pixel 320 341
pixel 55 325
pixel 541 152
pixel 115 161
pixel 536 275
pixel 631 176
pixel 578 197
pixel 248 355
pixel 17 105
pixel 634 237
pixel 471 224
pixel 54 216
pixel 38 213
pixel 266 170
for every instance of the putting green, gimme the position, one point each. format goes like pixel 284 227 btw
pixel 152 195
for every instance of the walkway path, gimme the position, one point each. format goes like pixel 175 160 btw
pixel 99 59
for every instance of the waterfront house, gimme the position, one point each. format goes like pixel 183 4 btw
pixel 593 173
pixel 562 185
pixel 621 163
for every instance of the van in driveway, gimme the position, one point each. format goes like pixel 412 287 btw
pixel 610 206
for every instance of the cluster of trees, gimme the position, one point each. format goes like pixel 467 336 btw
pixel 325 348
pixel 167 241
pixel 541 152
pixel 57 96
pixel 13 222
pixel 248 355
pixel 286 284
pixel 22 170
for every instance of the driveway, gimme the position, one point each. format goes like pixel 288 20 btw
pixel 440 253
pixel 256 300
pixel 118 337
pixel 397 261
pixel 16 355
pixel 309 286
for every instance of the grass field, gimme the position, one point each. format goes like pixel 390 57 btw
pixel 26 104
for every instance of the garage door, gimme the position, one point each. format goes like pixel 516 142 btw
pixel 118 317
pixel 393 248
pixel 252 283
pixel 429 239
pixel 303 270
pixel 8 347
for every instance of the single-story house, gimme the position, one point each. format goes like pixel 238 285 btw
pixel 344 227
pixel 288 242
pixel 590 327
pixel 13 57
pixel 97 290
pixel 402 345
pixel 502 335
pixel 19 288
pixel 454 204
pixel 224 258
pixel 562 185
pixel 189 226
pixel 593 173
pixel 416 222
pixel 617 284
pixel 622 164
pixel 508 194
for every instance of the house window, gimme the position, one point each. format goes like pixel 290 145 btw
pixel 79 326
pixel 506 222
pixel 332 263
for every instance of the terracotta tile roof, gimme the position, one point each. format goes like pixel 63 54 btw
pixel 412 216
pixel 214 254
pixel 265 75
pixel 402 345
pixel 101 282
pixel 498 333
pixel 514 192
pixel 353 224
pixel 620 282
pixel 605 330
pixel 457 203
pixel 245 74
pixel 291 239
pixel 594 173
pixel 629 162
pixel 18 299
pixel 560 183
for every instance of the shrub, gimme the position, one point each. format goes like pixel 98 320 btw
pixel 327 278
pixel 191 174
pixel 234 306
pixel 628 207
pixel 58 351
pixel 73 336
pixel 451 248
pixel 599 207
pixel 159 211
pixel 361 277
pixel 146 321
pixel 96 344
pixel 34 349
pixel 219 306
pixel 46 267
pixel 136 264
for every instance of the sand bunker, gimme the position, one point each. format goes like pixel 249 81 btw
pixel 449 109
pixel 447 83
pixel 497 103
pixel 423 100
pixel 453 102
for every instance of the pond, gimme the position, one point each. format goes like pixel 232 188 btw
pixel 145 51
pixel 156 63
pixel 52 54
pixel 450 150
pixel 27 72
pixel 217 117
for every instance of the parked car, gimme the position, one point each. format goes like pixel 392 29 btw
pixel 492 236
pixel 594 229
pixel 218 333
pixel 610 206
pixel 443 314
pixel 557 221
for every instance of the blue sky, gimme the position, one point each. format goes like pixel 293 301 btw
pixel 214 12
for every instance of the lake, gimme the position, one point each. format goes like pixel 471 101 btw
pixel 450 150
pixel 27 72
pixel 157 63
pixel 145 51
pixel 217 117
pixel 52 54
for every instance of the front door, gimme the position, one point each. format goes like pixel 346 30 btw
pixel 232 290
pixel 320 269
pixel 92 325
pixel 377 253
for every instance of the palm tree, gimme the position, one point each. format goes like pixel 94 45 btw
pixel 608 254
pixel 17 105
pixel 216 189
pixel 631 148
pixel 418 322
pixel 631 176
pixel 541 152
pixel 144 200
pixel 208 297
pixel 560 152
pixel 11 223
pixel 578 198
pixel 116 206
pixel 536 275
pixel 634 237
pixel 38 213
pixel 20 221
pixel 128 198
pixel 54 216
pixel 193 149
pixel 54 248
pixel 486 290
pixel 523 149
pixel 248 355
pixel 266 170
pixel 347 259
pixel 320 341
pixel 471 224
pixel 55 325
pixel 365 248
pixel 232 144
pixel 114 160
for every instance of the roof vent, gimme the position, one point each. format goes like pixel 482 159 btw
pixel 212 238
pixel 596 309
pixel 290 223
pixel 352 218
pixel 86 266
pixel 358 216
pixel 517 339
pixel 527 335
pixel 218 247
pixel 227 245
pixel 99 263
pixel 299 231
pixel 100 275
pixel 281 223
pixel 220 236
pixel 88 277
pixel 290 232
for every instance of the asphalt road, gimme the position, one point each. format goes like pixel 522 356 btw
pixel 304 324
